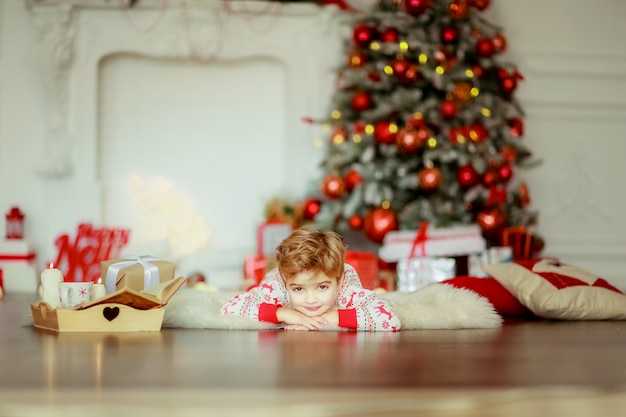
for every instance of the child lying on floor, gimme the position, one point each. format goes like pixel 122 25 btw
pixel 312 288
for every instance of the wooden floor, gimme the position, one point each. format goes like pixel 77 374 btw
pixel 525 368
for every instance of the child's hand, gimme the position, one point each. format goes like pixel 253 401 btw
pixel 293 317
pixel 331 317
pixel 295 327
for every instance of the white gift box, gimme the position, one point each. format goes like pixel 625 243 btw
pixel 17 261
pixel 447 242
pixel 415 273
pixel 494 255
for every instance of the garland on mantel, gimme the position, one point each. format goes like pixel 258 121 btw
pixel 342 4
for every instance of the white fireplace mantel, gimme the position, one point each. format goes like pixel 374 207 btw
pixel 74 36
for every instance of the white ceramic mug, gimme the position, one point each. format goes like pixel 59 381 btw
pixel 72 294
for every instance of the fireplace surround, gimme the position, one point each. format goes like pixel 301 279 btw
pixel 77 38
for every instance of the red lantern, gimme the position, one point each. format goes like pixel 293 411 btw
pixel 384 134
pixel 378 222
pixel 14 223
pixel 361 100
pixel 333 187
pixel 467 176
pixel 417 7
pixel 363 35
pixel 310 208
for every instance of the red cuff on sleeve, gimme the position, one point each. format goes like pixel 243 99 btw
pixel 347 318
pixel 267 312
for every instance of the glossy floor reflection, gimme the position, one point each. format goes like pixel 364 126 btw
pixel 526 363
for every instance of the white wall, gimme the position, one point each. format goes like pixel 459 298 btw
pixel 200 119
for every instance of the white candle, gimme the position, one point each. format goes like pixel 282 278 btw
pixel 98 290
pixel 50 279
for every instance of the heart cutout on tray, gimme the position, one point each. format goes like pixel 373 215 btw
pixel 110 313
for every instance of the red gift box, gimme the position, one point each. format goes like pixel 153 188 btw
pixel 366 265
pixel 269 236
pixel 255 267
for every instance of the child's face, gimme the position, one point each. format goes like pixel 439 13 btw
pixel 312 293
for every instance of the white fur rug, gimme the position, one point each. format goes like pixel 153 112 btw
pixel 437 306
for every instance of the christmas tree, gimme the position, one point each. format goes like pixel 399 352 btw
pixel 424 125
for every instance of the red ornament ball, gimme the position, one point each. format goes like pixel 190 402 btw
pixel 333 187
pixel 458 9
pixel 490 178
pixel 491 220
pixel 478 71
pixel 355 222
pixel 405 71
pixel 374 76
pixel 352 179
pixel 449 34
pixel 485 47
pixel 361 101
pixel 429 179
pixel 467 176
pixel 478 133
pixel 411 140
pixel 508 85
pixel 390 35
pixel 509 154
pixel 417 7
pixel 384 133
pixel 378 222
pixel 363 35
pixel 505 172
pixel 499 42
pixel 481 4
pixel 310 208
pixel 517 127
pixel 448 109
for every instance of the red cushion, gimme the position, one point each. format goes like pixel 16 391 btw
pixel 502 300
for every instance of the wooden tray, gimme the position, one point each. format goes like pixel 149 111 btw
pixel 107 317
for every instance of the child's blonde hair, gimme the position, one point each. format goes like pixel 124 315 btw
pixel 311 249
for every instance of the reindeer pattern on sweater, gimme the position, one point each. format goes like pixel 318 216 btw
pixel 358 308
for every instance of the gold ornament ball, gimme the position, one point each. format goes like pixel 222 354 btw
pixel 430 179
pixel 462 92
pixel 333 187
